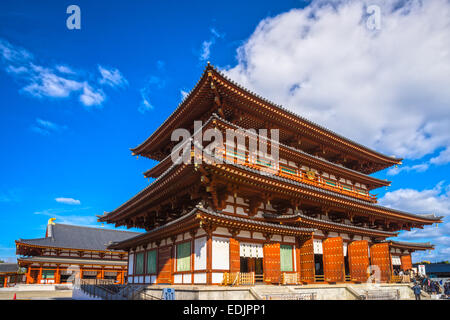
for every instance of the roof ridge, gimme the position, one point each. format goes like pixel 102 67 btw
pixel 94 228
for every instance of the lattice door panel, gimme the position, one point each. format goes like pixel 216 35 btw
pixel 358 260
pixel 164 265
pixel 272 267
pixel 380 256
pixel 307 271
pixel 406 262
pixel 333 260
pixel 235 259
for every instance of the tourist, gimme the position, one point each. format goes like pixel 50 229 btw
pixel 416 290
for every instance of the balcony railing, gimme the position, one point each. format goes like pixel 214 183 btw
pixel 296 174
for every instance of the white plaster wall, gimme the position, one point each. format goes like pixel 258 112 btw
pixel 276 237
pixel 258 235
pixel 220 253
pixel 244 234
pixel 240 210
pixel 217 277
pixel 200 253
pixel 187 278
pixel 229 208
pixel 222 231
pixel 200 278
pixel 289 239
pixel 178 278
pixel 130 263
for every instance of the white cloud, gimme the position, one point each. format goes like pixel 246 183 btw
pixel 387 88
pixel 64 69
pixel 59 82
pixel 442 158
pixel 112 77
pixel 205 52
pixel 145 103
pixel 184 94
pixel 153 82
pixel 91 97
pixel 70 201
pixel 45 127
pixel 422 167
pixel 437 201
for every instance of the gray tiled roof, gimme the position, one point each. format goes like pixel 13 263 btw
pixel 413 244
pixel 9 267
pixel 78 237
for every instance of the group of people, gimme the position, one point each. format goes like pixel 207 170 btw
pixel 431 287
pixel 405 276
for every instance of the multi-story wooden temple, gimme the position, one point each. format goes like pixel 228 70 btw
pixel 309 217
pixel 67 251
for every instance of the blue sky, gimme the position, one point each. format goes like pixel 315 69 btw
pixel 74 101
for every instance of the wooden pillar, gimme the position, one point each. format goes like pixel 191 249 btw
pixel 297 258
pixel 81 272
pixel 28 275
pixel 57 275
pixel 209 258
pixel 40 274
pixel 102 274
pixel 5 281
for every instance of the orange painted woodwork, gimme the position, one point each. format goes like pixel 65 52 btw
pixel 164 265
pixel 307 269
pixel 380 256
pixel 358 260
pixel 272 267
pixel 235 258
pixel 333 260
pixel 406 262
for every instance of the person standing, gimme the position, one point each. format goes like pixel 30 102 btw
pixel 416 290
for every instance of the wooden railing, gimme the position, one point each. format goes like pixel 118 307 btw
pixel 289 278
pixel 238 278
pixel 297 174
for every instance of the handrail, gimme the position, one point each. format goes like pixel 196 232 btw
pixel 297 174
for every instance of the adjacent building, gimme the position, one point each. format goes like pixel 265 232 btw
pixel 228 215
pixel 69 250
pixel 10 275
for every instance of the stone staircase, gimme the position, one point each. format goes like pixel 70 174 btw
pixel 280 293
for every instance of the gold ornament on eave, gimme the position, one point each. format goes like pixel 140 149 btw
pixel 311 175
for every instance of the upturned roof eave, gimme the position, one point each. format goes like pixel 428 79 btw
pixel 325 131
pixel 367 178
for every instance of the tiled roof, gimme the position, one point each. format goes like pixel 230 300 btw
pixel 8 267
pixel 78 237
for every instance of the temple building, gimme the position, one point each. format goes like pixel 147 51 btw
pixel 10 275
pixel 67 251
pixel 225 216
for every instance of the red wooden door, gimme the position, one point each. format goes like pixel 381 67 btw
pixel 333 260
pixel 380 256
pixel 164 265
pixel 358 260
pixel 235 258
pixel 406 262
pixel 307 270
pixel 272 267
